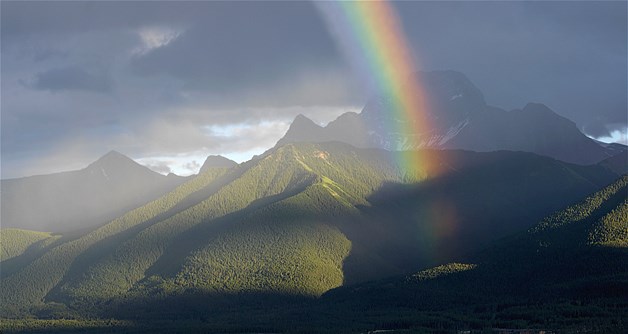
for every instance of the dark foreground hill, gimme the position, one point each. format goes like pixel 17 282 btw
pixel 286 228
pixel 568 273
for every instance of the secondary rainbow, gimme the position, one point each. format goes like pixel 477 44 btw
pixel 371 37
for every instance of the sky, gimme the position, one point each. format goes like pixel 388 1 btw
pixel 168 83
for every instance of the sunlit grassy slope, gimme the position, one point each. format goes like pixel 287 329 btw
pixel 299 220
pixel 14 242
pixel 32 283
pixel 285 186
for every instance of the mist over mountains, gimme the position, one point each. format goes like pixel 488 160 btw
pixel 83 199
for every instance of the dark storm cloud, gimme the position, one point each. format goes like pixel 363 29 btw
pixel 148 78
pixel 226 47
pixel 246 48
pixel 72 78
pixel 568 55
pixel 158 62
pixel 21 18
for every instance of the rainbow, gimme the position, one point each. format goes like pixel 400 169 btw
pixel 370 35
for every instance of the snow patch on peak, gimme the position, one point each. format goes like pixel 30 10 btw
pixel 457 96
pixel 453 131
pixel 104 173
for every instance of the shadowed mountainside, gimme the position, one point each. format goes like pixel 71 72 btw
pixel 567 272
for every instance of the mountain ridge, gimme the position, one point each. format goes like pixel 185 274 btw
pixel 217 161
pixel 101 191
pixel 459 119
pixel 331 203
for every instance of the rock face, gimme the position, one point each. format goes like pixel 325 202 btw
pixel 458 118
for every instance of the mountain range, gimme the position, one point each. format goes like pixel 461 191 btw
pixel 459 118
pixel 517 221
pixel 346 215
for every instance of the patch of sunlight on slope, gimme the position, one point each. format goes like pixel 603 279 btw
pixel 247 257
pixel 444 270
pixel 612 229
pixel 31 284
pixel 346 170
pixel 290 258
pixel 14 242
pixel 111 260
pixel 583 210
pixel 289 247
pixel 334 189
pixel 115 274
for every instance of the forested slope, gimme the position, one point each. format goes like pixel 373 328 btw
pixel 568 272
pixel 14 242
pixel 298 221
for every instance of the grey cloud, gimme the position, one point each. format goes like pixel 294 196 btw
pixel 72 78
pixel 571 56
pixel 22 18
pixel 256 62
pixel 46 54
pixel 158 166
pixel 245 46
pixel 192 166
pixel 598 129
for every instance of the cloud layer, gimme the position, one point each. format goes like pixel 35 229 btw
pixel 170 82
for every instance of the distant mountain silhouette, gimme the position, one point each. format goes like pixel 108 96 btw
pixel 459 118
pixel 81 199
pixel 217 161
pixel 617 163
pixel 303 129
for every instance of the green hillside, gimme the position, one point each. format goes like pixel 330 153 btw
pixel 287 175
pixel 28 286
pixel 14 242
pixel 568 272
pixel 294 223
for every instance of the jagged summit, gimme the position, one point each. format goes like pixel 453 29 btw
pixel 541 110
pixel 302 129
pixel 301 122
pixel 458 118
pixel 302 118
pixel 114 153
pixel 217 161
pixel 116 163
pixel 112 156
